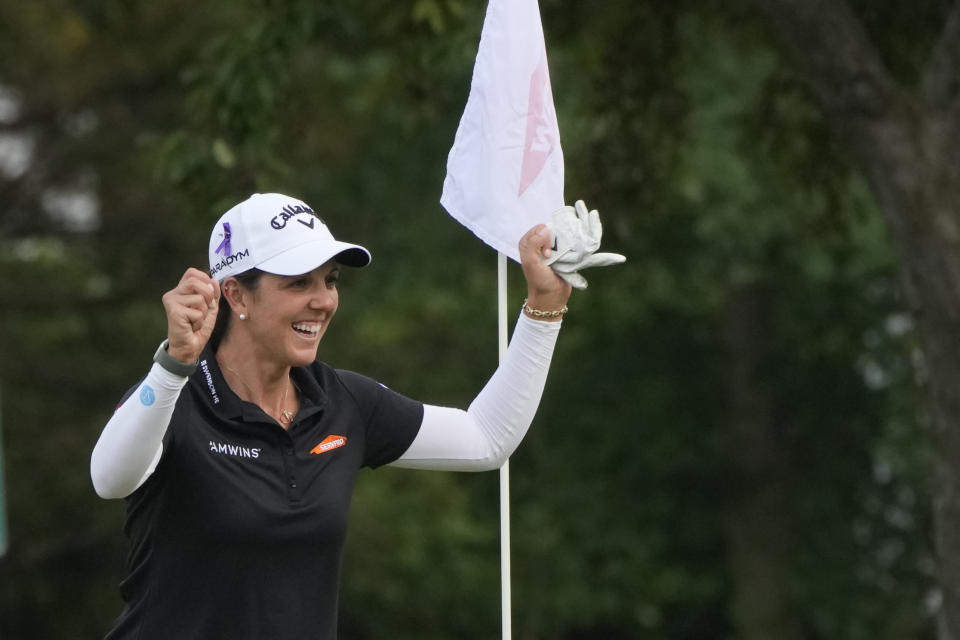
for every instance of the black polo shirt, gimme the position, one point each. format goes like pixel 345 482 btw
pixel 239 531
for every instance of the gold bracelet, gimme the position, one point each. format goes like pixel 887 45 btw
pixel 536 313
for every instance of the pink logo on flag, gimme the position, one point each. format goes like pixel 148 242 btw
pixel 539 141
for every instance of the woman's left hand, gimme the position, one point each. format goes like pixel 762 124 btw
pixel 546 291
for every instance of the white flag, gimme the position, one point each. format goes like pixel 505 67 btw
pixel 505 169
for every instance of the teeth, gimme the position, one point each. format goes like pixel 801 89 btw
pixel 311 327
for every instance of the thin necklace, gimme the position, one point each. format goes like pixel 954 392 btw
pixel 286 417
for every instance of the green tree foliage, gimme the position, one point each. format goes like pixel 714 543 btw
pixel 735 407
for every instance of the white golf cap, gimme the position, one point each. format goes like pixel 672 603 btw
pixel 277 234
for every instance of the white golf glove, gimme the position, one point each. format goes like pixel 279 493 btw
pixel 575 237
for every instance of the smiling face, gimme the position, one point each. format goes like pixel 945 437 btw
pixel 287 315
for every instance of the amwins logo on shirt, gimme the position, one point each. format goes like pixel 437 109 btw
pixel 329 443
pixel 234 450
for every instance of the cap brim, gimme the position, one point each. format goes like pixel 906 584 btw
pixel 310 255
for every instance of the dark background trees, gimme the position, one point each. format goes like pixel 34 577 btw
pixel 735 440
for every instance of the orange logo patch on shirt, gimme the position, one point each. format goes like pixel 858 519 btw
pixel 328 443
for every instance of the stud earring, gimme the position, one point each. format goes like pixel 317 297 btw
pixel 243 317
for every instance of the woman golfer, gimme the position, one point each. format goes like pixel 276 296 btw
pixel 238 452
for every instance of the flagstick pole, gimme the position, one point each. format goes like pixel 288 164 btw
pixel 505 469
pixel 4 537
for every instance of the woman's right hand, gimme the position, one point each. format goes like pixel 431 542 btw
pixel 191 309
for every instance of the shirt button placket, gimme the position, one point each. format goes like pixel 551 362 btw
pixel 289 467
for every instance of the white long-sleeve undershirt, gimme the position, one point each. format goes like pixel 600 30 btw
pixel 131 443
pixel 478 439
pixel 487 433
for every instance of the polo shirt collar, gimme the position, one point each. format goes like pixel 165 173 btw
pixel 221 397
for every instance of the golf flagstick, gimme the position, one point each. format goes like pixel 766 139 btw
pixel 505 592
pixel 505 168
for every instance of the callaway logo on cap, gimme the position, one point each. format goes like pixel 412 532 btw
pixel 277 234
